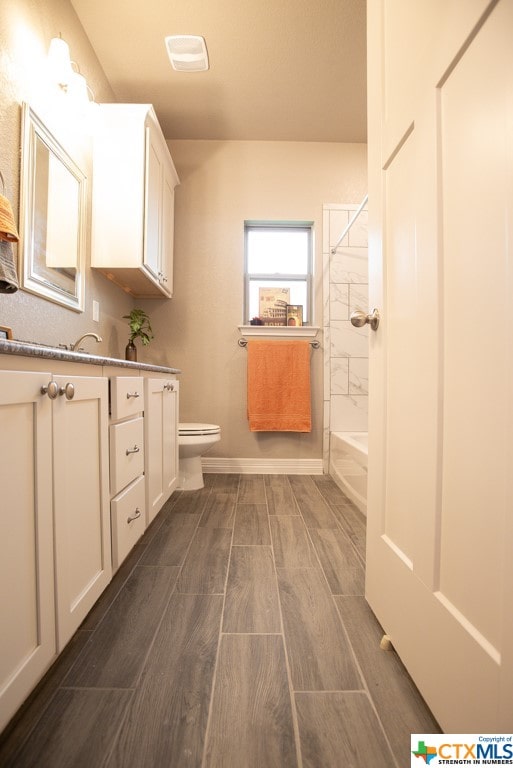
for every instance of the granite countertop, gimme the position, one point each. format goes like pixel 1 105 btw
pixel 30 349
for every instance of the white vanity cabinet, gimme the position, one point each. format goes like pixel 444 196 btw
pixel 55 558
pixel 161 441
pixel 26 545
pixel 127 482
pixel 133 201
pixel 68 477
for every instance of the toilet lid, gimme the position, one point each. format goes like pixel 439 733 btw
pixel 189 428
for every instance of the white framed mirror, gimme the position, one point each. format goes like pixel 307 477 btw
pixel 53 216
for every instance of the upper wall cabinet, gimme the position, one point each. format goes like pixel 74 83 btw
pixel 133 201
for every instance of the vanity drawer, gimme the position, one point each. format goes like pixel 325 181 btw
pixel 126 453
pixel 127 519
pixel 126 396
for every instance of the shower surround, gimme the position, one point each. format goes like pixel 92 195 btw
pixel 346 355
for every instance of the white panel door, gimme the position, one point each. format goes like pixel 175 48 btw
pixel 440 508
pixel 27 637
pixel 83 560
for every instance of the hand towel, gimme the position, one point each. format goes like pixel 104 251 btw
pixel 8 274
pixel 279 386
pixel 8 229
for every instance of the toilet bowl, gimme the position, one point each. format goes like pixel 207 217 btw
pixel 193 441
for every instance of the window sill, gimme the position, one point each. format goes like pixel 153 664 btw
pixel 305 331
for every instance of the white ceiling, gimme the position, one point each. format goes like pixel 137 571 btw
pixel 283 70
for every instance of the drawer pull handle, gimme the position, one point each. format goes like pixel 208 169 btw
pixel 135 449
pixel 132 394
pixel 169 387
pixel 136 515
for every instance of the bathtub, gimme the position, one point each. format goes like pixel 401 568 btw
pixel 348 465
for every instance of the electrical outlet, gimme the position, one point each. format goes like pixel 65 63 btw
pixel 96 311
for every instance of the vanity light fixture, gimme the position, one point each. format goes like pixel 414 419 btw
pixel 78 89
pixel 67 75
pixel 187 53
pixel 59 62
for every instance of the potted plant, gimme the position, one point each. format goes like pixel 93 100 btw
pixel 140 328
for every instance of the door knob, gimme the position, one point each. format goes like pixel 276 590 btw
pixel 359 318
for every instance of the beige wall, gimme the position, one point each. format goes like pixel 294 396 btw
pixel 222 184
pixel 26 28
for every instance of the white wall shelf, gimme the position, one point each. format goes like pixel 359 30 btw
pixel 305 331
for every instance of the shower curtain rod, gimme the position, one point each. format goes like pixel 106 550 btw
pixel 346 230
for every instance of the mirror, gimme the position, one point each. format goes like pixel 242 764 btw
pixel 53 216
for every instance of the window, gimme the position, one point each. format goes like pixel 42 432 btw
pixel 278 255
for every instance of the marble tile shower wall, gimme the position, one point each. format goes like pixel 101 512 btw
pixel 346 356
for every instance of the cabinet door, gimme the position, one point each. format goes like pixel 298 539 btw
pixel 152 204
pixel 81 500
pixel 170 436
pixel 160 442
pixel 168 218
pixel 133 201
pixel 27 639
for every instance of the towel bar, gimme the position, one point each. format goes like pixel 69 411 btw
pixel 315 344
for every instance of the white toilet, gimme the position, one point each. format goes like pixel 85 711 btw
pixel 193 441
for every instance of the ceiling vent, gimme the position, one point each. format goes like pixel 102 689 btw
pixel 187 53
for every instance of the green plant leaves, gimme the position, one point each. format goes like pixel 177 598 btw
pixel 140 326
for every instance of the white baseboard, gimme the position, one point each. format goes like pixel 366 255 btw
pixel 212 464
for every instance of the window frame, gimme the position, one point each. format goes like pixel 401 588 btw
pixel 281 276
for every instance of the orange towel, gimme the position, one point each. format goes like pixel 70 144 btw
pixel 8 229
pixel 279 386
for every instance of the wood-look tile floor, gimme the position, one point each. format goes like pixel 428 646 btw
pixel 236 634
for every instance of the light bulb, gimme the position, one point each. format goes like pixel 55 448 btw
pixel 59 62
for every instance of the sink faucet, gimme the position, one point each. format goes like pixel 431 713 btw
pixel 74 347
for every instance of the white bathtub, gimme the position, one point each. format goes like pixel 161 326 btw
pixel 348 465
